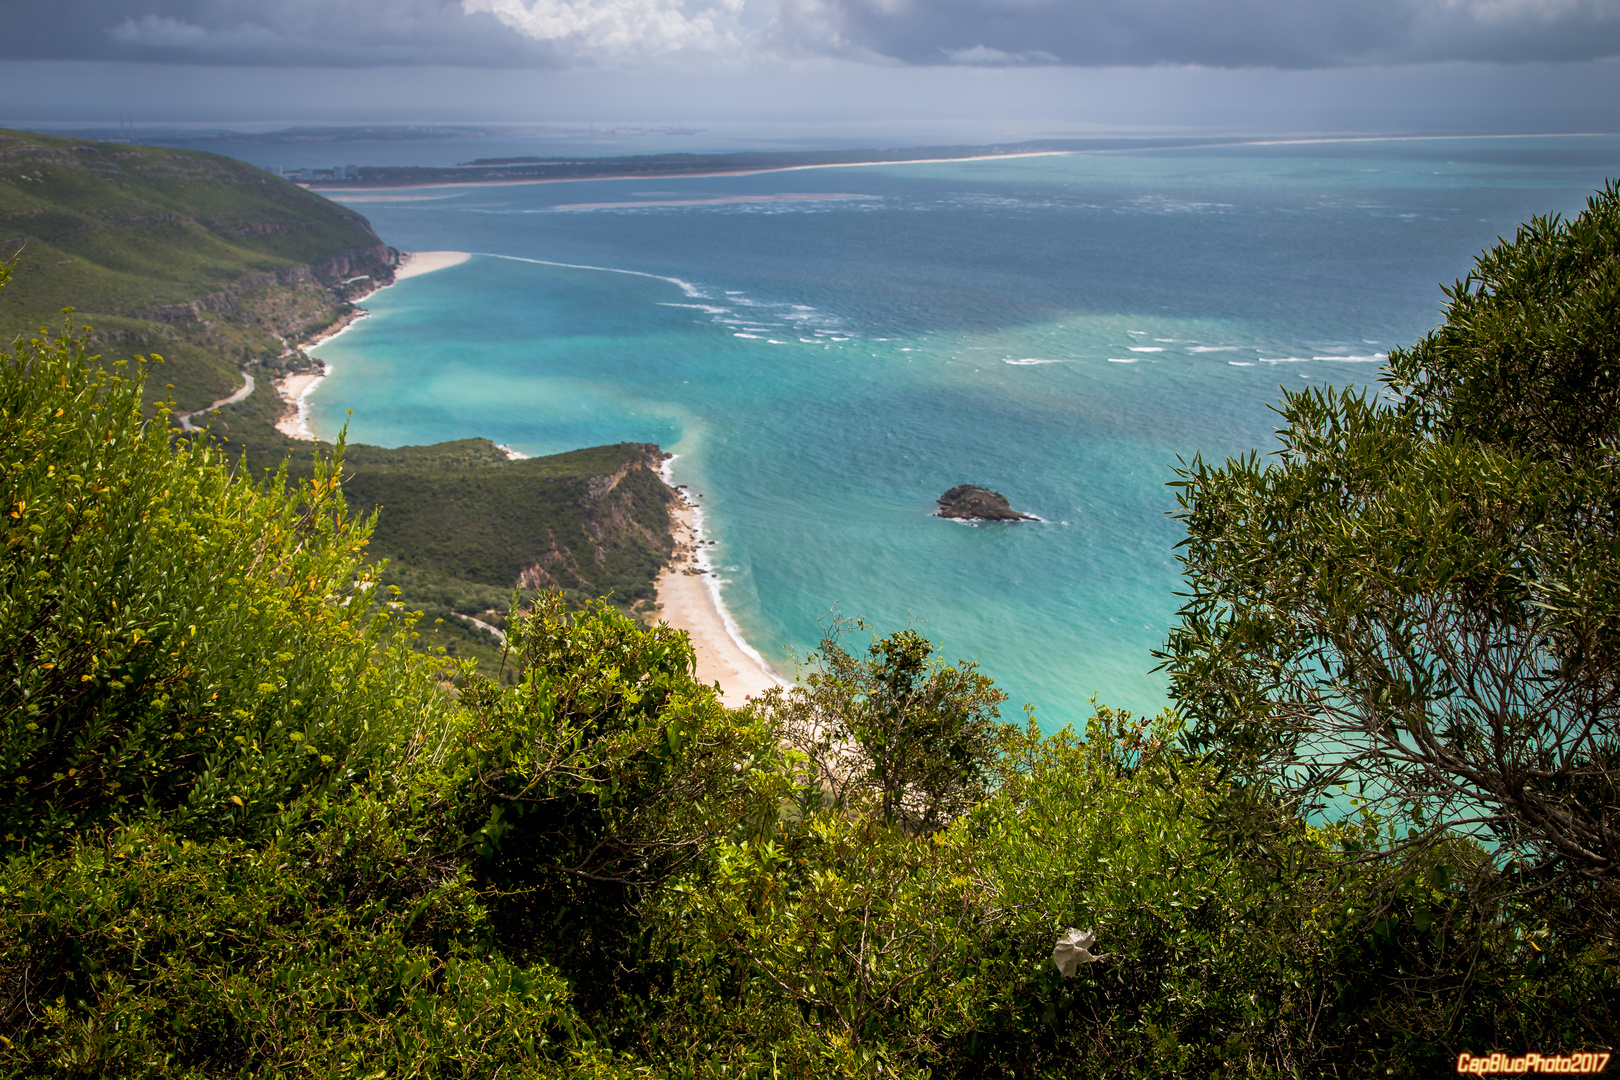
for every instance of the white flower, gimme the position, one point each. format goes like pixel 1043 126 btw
pixel 1074 949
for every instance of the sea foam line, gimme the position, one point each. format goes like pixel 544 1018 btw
pixel 685 286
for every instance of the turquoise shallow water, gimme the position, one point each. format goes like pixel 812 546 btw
pixel 1060 329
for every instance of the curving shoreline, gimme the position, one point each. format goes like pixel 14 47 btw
pixel 688 591
pixel 689 599
pixel 295 389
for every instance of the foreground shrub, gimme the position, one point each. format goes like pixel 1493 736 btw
pixel 844 947
pixel 175 642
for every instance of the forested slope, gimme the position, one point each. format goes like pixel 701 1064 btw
pixel 247 830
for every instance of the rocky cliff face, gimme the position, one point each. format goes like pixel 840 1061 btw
pixel 374 264
pixel 625 514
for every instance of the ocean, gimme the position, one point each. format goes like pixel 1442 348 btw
pixel 828 350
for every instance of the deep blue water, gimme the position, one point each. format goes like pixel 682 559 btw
pixel 1061 329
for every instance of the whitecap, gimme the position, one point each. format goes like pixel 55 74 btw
pixel 1285 360
pixel 1145 348
pixel 755 337
pixel 1375 358
pixel 1213 348
pixel 1122 359
pixel 707 309
pixel 1030 360
pixel 1241 363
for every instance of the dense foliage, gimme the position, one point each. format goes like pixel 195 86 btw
pixel 1417 604
pixel 898 733
pixel 252 828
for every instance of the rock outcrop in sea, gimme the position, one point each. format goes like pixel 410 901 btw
pixel 970 503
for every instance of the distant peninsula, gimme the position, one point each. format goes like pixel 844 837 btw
pixel 965 502
pixel 532 170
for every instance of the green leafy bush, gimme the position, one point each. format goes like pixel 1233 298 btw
pixel 174 642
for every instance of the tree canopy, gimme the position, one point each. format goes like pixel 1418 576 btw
pixel 1415 605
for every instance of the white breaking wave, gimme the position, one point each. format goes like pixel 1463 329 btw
pixel 794 316
pixel 1145 348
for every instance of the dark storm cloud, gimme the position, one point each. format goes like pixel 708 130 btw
pixel 1216 33
pixel 264 32
pixel 523 33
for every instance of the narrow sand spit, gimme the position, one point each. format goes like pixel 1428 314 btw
pixel 689 603
pixel 415 263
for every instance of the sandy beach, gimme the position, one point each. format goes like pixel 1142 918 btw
pixel 688 602
pixel 416 263
pixel 294 389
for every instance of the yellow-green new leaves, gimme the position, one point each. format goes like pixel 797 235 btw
pixel 165 627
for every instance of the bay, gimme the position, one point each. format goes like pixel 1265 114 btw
pixel 827 350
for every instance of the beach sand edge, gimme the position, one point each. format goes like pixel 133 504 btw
pixel 686 602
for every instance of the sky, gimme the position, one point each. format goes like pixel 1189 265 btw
pixel 1040 67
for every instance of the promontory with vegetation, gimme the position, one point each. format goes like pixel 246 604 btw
pixel 254 826
pixel 224 271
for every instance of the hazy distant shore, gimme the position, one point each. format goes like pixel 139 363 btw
pixel 402 177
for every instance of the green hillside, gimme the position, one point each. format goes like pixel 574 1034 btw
pixel 210 262
pixel 223 269
pixel 462 526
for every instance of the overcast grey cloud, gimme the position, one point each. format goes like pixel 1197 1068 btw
pixel 338 33
pixel 559 33
pixel 1216 33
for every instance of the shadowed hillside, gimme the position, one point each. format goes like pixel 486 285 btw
pixel 212 263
